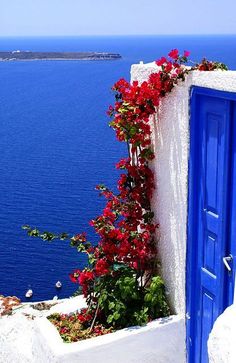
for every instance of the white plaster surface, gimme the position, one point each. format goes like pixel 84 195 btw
pixel 16 339
pixel 27 340
pixel 18 336
pixel 171 144
pixel 222 340
pixel 158 341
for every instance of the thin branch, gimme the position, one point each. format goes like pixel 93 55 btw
pixel 94 319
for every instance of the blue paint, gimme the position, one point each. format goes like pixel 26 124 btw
pixel 211 218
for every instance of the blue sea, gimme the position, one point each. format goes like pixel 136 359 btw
pixel 56 146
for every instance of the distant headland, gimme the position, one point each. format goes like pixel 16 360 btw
pixel 18 55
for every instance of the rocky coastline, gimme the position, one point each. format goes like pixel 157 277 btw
pixel 18 55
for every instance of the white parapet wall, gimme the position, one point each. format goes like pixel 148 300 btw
pixel 170 140
pixel 159 341
pixel 28 337
pixel 222 340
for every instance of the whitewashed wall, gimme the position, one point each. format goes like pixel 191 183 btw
pixel 157 342
pixel 170 139
pixel 28 337
pixel 222 340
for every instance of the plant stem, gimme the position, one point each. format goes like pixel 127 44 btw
pixel 128 147
pixel 94 319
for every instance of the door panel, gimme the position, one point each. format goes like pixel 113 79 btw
pixel 231 247
pixel 209 216
pixel 214 140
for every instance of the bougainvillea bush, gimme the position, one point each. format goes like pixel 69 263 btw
pixel 121 282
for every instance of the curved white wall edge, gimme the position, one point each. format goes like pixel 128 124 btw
pixel 159 341
pixel 222 340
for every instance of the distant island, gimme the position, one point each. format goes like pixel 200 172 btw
pixel 18 55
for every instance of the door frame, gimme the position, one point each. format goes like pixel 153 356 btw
pixel 191 262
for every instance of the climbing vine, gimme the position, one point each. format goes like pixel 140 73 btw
pixel 120 283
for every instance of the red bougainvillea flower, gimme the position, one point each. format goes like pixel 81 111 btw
pixel 186 53
pixel 123 163
pixel 74 276
pixel 161 61
pixel 86 280
pixel 98 330
pixel 168 67
pixel 64 330
pixel 174 54
pixel 80 237
pixel 85 277
pixel 101 267
pixel 84 316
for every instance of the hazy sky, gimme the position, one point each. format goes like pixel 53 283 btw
pixel 111 17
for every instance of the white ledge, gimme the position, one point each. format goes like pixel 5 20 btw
pixel 158 341
pixel 27 340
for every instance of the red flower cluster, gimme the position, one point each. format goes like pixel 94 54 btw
pixel 120 281
pixel 206 65
pixel 85 278
pixel 74 276
pixel 125 228
pixel 85 317
pixel 174 54
pixel 101 267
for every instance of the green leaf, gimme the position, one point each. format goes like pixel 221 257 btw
pixel 103 297
pixel 116 315
pixel 148 216
pixel 33 232
pixel 148 297
pixel 47 236
pixel 119 266
pixel 111 305
pixel 63 236
pixel 132 131
pixel 91 259
pixel 110 319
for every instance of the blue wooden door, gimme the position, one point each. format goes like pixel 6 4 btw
pixel 211 221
